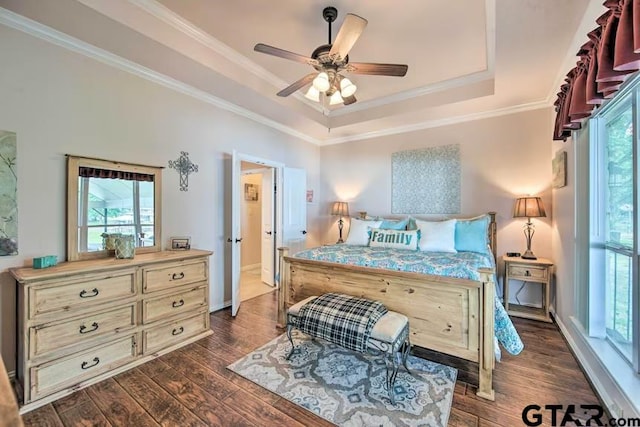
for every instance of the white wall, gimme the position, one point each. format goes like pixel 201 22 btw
pixel 501 158
pixel 59 102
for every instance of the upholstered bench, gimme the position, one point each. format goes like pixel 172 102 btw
pixel 389 339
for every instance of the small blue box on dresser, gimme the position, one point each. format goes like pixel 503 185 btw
pixel 45 261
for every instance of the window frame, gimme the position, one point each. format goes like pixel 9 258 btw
pixel 598 244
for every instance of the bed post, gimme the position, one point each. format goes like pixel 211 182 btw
pixel 283 288
pixel 493 235
pixel 486 360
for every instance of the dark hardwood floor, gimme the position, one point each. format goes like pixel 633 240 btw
pixel 192 387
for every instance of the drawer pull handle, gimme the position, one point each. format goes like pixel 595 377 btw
pixel 177 304
pixel 177 331
pixel 84 330
pixel 85 365
pixel 527 273
pixel 177 276
pixel 85 294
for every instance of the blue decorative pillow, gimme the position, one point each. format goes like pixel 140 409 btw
pixel 472 234
pixel 394 224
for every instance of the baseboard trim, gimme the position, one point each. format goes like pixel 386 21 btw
pixel 251 267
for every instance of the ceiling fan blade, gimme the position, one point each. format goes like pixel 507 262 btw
pixel 297 85
pixel 281 53
pixel 348 100
pixel 349 33
pixel 397 70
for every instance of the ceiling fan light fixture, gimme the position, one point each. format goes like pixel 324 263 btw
pixel 347 88
pixel 336 98
pixel 321 82
pixel 312 94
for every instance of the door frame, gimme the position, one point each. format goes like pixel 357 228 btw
pixel 278 203
pixel 262 171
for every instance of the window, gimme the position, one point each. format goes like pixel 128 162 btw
pixel 614 215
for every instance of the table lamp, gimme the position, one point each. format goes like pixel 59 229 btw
pixel 529 207
pixel 341 209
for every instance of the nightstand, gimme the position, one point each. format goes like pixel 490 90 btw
pixel 528 271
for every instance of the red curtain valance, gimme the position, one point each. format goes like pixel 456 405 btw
pixel 86 172
pixel 611 55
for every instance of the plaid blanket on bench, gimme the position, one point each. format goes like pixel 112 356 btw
pixel 341 319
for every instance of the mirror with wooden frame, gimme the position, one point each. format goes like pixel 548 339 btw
pixel 108 199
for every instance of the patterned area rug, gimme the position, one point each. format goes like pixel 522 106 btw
pixel 348 388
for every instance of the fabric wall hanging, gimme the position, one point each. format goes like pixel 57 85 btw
pixel 426 181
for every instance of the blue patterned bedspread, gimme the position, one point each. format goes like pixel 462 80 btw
pixel 462 265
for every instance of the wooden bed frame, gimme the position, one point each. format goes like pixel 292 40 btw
pixel 448 315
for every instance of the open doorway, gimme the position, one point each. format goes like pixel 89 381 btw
pixel 257 203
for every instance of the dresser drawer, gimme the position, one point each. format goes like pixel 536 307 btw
pixel 181 302
pixel 528 272
pixel 172 275
pixel 75 295
pixel 49 377
pixel 54 336
pixel 162 336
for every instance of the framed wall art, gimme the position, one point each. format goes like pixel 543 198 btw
pixel 559 169
pixel 251 192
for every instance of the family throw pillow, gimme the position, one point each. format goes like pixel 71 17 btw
pixel 397 239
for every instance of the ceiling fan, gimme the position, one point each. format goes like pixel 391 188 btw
pixel 331 59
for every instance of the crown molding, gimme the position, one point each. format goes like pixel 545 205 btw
pixel 440 122
pixel 166 15
pixel 169 17
pixel 43 32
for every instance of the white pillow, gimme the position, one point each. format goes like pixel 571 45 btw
pixel 359 231
pixel 437 236
pixel 396 239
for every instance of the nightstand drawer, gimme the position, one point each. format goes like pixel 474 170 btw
pixel 528 272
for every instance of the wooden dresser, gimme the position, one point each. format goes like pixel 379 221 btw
pixel 83 321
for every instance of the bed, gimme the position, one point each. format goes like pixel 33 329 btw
pixel 451 303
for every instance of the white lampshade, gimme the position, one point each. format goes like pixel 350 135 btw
pixel 336 98
pixel 312 94
pixel 347 88
pixel 321 82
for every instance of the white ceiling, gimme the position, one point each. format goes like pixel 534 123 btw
pixel 467 59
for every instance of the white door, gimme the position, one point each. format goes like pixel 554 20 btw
pixel 236 232
pixel 235 238
pixel 267 260
pixel 294 215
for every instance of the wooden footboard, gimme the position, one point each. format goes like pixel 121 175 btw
pixel 452 316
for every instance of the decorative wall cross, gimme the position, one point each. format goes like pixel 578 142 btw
pixel 185 167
